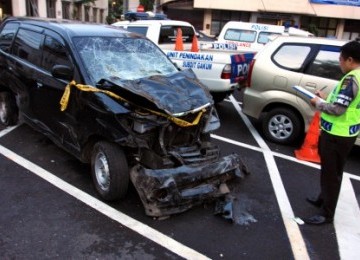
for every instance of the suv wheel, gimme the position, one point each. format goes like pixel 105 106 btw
pixel 281 125
pixel 8 109
pixel 110 172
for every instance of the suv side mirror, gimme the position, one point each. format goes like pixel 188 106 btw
pixel 62 72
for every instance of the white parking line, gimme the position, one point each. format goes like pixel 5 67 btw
pixel 347 216
pixel 142 229
pixel 347 221
pixel 296 240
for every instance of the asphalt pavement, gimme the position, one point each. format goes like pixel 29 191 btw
pixel 49 209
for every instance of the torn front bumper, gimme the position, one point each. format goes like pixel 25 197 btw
pixel 170 191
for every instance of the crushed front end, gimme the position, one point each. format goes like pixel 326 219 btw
pixel 165 192
pixel 175 166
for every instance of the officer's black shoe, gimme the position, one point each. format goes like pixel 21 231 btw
pixel 315 202
pixel 318 220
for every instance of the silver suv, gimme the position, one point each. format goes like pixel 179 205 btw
pixel 312 63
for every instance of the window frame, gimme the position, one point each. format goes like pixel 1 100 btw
pixel 8 48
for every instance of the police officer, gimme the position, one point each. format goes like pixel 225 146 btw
pixel 340 125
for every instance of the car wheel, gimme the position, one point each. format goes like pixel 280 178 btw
pixel 110 171
pixel 281 125
pixel 8 109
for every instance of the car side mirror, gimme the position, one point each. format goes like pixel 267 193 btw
pixel 62 72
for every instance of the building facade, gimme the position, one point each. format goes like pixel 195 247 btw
pixel 326 18
pixel 60 9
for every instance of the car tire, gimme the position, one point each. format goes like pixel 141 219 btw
pixel 8 109
pixel 110 171
pixel 281 125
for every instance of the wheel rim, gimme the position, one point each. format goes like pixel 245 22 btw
pixel 102 172
pixel 280 127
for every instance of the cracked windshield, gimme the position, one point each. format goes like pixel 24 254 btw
pixel 123 58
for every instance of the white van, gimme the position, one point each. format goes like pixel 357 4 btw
pixel 253 36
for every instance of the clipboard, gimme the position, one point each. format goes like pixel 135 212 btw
pixel 306 92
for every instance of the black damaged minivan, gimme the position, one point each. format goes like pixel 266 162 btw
pixel 113 99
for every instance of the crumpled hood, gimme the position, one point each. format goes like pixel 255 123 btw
pixel 176 93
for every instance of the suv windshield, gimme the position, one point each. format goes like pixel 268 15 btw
pixel 125 58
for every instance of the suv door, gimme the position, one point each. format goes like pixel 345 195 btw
pixel 34 55
pixel 49 90
pixel 322 73
pixel 24 64
pixel 7 35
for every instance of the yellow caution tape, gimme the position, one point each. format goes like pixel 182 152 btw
pixel 66 96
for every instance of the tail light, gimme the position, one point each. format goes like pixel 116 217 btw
pixel 226 72
pixel 248 80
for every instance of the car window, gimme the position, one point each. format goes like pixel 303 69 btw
pixel 326 64
pixel 264 37
pixel 54 53
pixel 138 29
pixel 168 34
pixel 291 56
pixel 7 35
pixel 240 35
pixel 27 46
pixel 124 58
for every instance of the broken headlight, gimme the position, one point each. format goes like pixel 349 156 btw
pixel 212 122
pixel 144 123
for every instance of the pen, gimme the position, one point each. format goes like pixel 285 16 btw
pixel 323 88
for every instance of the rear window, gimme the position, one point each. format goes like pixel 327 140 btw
pixel 326 63
pixel 138 29
pixel 168 34
pixel 7 35
pixel 240 35
pixel 291 57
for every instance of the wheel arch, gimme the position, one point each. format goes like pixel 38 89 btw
pixel 274 105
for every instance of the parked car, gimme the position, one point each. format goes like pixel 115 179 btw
pixel 254 36
pixel 284 113
pixel 125 109
pixel 220 70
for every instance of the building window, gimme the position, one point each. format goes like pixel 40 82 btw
pixel 87 13
pixel 32 8
pixel 101 15
pixel 78 11
pixel 220 18
pixel 50 8
pixel 66 10
pixel 320 26
pixel 351 30
pixel 95 12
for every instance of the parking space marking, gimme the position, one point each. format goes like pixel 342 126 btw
pixel 346 222
pixel 295 237
pixel 7 130
pixel 140 228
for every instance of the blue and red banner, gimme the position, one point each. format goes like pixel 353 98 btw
pixel 337 2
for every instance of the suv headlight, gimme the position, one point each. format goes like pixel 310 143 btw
pixel 213 122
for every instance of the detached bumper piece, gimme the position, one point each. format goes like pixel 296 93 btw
pixel 170 191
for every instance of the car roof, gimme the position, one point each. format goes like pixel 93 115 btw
pixel 71 27
pixel 150 22
pixel 315 40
